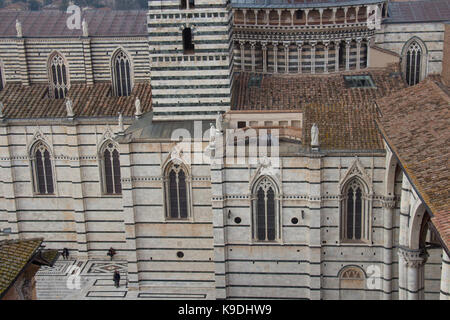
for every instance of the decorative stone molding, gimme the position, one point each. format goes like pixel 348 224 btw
pixel 388 203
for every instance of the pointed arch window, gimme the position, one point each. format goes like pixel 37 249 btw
pixel 355 212
pixel 111 169
pixel 58 77
pixel 42 169
pixel 265 210
pixel 121 74
pixel 177 189
pixel 413 63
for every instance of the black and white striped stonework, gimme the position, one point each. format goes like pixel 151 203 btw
pixel 197 84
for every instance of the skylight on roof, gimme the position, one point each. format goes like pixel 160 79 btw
pixel 360 81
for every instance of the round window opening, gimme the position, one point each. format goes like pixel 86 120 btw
pixel 237 220
pixel 294 220
pixel 180 254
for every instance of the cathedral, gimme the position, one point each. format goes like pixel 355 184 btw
pixel 235 149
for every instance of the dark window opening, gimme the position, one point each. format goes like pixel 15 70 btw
pixel 242 124
pixel 342 53
pixel 299 14
pixel 1 79
pixel 187 4
pixel 43 171
pixel 178 194
pixel 121 75
pixel 188 46
pixel 413 62
pixel 265 212
pixel 111 163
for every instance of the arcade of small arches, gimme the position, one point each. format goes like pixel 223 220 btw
pixel 309 56
pixel 349 15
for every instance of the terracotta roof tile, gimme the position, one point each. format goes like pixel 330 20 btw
pixel 345 116
pixel 52 23
pixel 416 124
pixel 14 256
pixel 22 102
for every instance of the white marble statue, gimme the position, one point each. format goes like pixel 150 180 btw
pixel 121 127
pixel 19 28
pixel 69 108
pixel 314 135
pixel 84 26
pixel 137 104
pixel 219 122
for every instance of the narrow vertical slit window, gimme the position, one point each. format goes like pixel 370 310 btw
pixel 188 45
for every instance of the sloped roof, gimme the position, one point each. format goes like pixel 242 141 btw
pixel 53 23
pixel 31 102
pixel 418 11
pixel 345 116
pixel 416 124
pixel 14 256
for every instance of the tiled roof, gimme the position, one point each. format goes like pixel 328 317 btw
pixel 418 11
pixel 14 256
pixel 345 116
pixel 297 3
pixel 53 23
pixel 29 102
pixel 416 124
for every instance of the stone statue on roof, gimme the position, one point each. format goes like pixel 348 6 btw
pixel 219 122
pixel 84 26
pixel 121 127
pixel 137 104
pixel 315 136
pixel 69 108
pixel 19 28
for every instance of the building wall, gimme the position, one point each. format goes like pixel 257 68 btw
pixel 86 57
pixel 78 216
pixel 394 37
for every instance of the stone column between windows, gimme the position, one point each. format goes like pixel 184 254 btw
pixel 336 54
pixel 403 238
pixel 414 261
pixel 252 46
pixel 368 53
pixel 347 54
pixel 22 61
pixel 445 277
pixel 326 43
pixel 358 53
pixel 313 56
pixel 219 220
pixel 88 60
pixel 286 56
pixel 7 177
pixel 242 48
pixel 314 214
pixel 299 55
pixel 264 55
pixel 388 213
pixel 275 57
pixel 76 177
pixel 129 214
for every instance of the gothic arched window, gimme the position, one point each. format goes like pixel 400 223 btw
pixel 413 63
pixel 265 210
pixel 58 76
pixel 42 169
pixel 355 212
pixel 121 74
pixel 177 192
pixel 351 278
pixel 111 169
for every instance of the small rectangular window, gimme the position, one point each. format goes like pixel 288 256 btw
pixel 242 124
pixel 360 81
